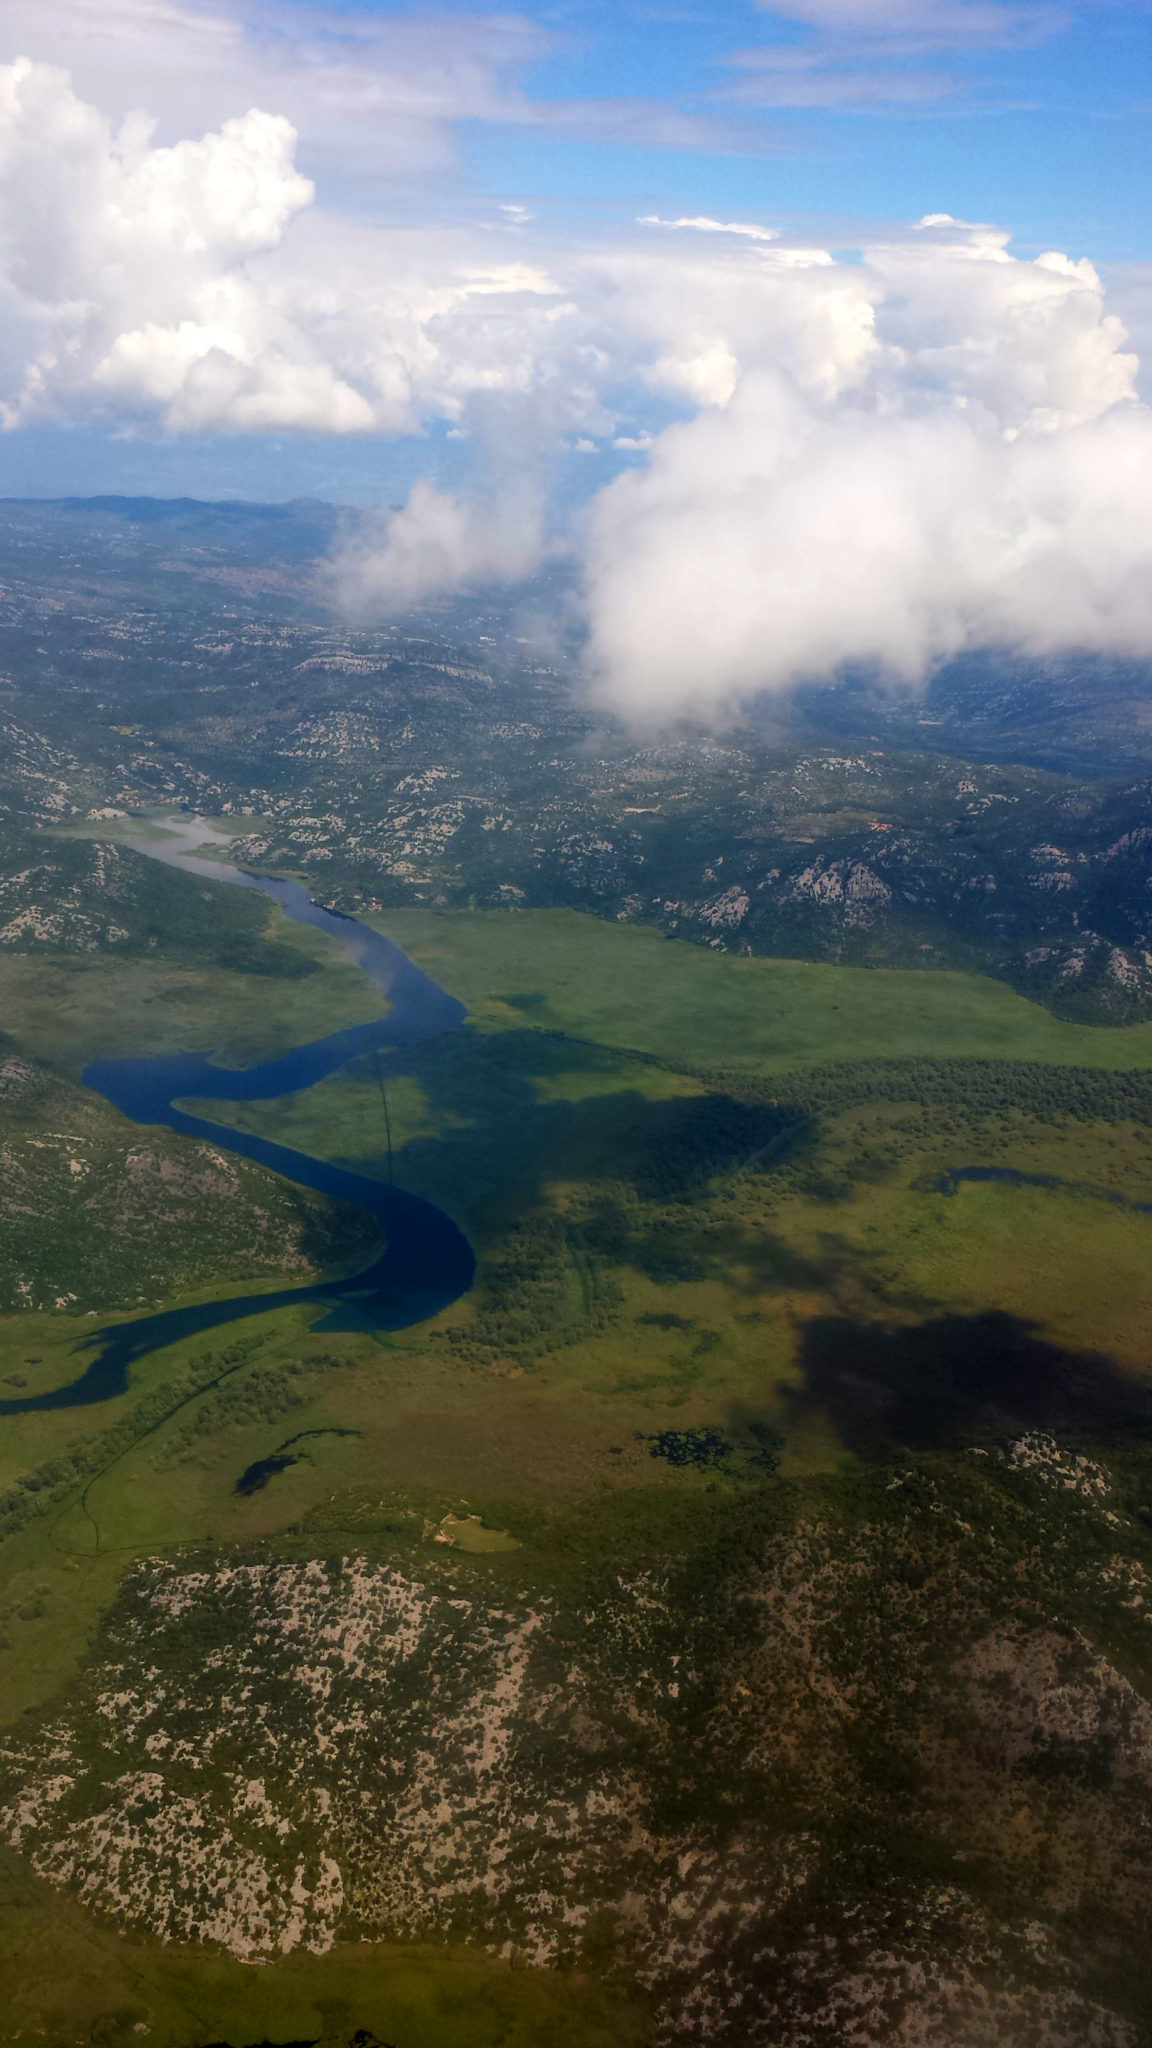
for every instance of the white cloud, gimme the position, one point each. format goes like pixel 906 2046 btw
pixel 439 542
pixel 1031 341
pixel 374 95
pixel 704 224
pixel 692 314
pixel 938 445
pixel 879 459
pixel 768 543
pixel 979 473
pixel 1129 287
pixel 936 24
pixel 129 277
pixel 155 281
pixel 197 283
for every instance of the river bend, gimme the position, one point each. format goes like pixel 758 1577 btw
pixel 427 1262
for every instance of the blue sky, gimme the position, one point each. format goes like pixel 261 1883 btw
pixel 837 122
pixel 827 112
pixel 1041 122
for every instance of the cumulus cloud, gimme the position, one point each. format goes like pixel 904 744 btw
pixel 978 473
pixel 877 459
pixel 196 283
pixel 156 282
pixel 766 543
pixel 374 94
pixel 938 445
pixel 123 267
pixel 441 542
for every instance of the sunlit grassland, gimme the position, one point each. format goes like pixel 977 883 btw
pixel 1072 1268
pixel 626 985
pixel 58 1570
pixel 1066 1260
pixel 510 1119
pixel 433 1433
pixel 1081 1275
pixel 485 1120
pixel 532 1112
pixel 852 1233
pixel 511 1116
pixel 426 1437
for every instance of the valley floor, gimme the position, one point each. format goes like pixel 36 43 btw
pixel 764 1545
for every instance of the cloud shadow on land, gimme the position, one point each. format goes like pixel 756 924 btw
pixel 955 1379
pixel 501 1140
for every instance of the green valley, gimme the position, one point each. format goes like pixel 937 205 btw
pixel 726 1621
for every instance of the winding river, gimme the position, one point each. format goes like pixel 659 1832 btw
pixel 427 1262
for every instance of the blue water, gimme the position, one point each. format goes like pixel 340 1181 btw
pixel 428 1262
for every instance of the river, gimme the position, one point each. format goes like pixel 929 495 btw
pixel 427 1262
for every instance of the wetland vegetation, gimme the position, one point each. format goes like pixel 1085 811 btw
pixel 728 1333
pixel 729 1620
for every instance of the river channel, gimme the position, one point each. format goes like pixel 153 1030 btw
pixel 427 1261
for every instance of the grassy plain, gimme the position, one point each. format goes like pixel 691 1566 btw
pixel 514 1116
pixel 625 985
pixel 628 1287
pixel 513 1434
pixel 526 1390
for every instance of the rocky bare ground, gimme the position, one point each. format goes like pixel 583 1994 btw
pixel 858 1780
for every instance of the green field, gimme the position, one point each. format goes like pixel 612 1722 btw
pixel 623 985
pixel 696 1299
